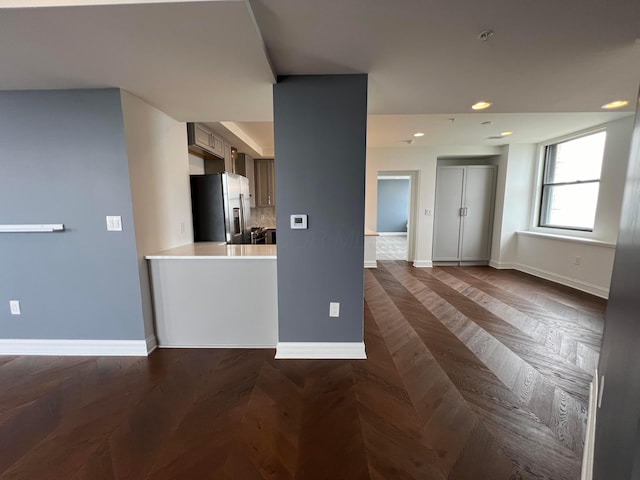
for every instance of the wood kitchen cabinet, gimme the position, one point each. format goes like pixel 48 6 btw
pixel 265 179
pixel 201 136
pixel 228 158
pixel 243 164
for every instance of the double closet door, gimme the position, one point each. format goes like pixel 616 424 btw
pixel 463 221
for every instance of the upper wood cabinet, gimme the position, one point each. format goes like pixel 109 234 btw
pixel 201 136
pixel 243 164
pixel 228 158
pixel 265 179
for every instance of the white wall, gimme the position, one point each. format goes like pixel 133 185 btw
pixel 612 181
pixel 196 165
pixel 159 174
pixel 555 260
pixel 514 190
pixel 422 160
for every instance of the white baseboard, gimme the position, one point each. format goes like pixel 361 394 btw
pixel 502 265
pixel 152 343
pixel 324 350
pixel 124 348
pixel 225 345
pixel 591 288
pixel 370 264
pixel 423 263
pixel 392 234
pixel 590 435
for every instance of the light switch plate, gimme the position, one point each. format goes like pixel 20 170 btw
pixel 298 221
pixel 14 306
pixel 114 223
pixel 334 309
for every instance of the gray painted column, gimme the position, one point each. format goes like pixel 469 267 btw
pixel 320 142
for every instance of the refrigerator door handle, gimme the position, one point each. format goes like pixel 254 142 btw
pixel 243 227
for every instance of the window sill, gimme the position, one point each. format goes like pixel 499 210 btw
pixel 566 238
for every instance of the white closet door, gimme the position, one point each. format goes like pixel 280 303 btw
pixel 446 237
pixel 477 222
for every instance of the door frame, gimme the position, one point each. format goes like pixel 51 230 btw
pixel 413 176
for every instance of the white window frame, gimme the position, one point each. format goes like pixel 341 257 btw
pixel 539 176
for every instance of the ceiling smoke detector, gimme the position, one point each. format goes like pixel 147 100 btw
pixel 485 35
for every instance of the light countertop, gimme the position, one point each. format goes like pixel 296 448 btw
pixel 216 251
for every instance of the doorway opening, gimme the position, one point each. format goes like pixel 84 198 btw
pixel 395 209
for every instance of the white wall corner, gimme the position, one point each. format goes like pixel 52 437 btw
pixel 152 343
pixel 124 348
pixel 423 264
pixel 502 265
pixel 321 350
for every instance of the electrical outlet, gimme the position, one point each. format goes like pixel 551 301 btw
pixel 427 212
pixel 182 229
pixel 114 223
pixel 334 309
pixel 14 306
pixel 577 261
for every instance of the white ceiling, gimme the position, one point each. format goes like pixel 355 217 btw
pixel 467 129
pixel 195 61
pixel 205 61
pixel 423 56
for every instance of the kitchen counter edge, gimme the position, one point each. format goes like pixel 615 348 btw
pixel 216 251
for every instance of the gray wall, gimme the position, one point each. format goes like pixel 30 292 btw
pixel 63 160
pixel 320 141
pixel 393 205
pixel 617 454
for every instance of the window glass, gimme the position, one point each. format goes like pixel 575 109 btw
pixel 572 182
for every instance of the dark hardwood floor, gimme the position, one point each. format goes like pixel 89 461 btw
pixel 472 373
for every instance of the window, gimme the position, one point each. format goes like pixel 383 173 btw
pixel 571 182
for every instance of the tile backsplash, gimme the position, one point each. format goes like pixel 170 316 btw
pixel 263 217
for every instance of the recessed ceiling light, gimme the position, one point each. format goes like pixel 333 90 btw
pixel 481 105
pixel 418 134
pixel 504 134
pixel 615 104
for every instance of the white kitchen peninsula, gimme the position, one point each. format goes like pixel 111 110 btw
pixel 215 295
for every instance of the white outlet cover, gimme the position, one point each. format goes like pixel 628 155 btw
pixel 334 309
pixel 114 223
pixel 14 306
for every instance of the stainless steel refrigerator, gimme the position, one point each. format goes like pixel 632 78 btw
pixel 221 208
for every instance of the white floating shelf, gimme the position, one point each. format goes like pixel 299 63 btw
pixel 52 227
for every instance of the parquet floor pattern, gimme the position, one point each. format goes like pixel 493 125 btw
pixel 472 373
